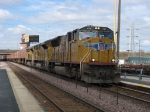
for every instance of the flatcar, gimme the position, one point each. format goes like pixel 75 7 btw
pixel 87 54
pixel 135 69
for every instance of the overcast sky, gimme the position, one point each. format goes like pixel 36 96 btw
pixel 50 18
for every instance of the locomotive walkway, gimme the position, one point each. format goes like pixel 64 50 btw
pixel 14 97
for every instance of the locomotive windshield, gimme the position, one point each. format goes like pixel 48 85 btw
pixel 83 35
pixel 90 34
pixel 105 34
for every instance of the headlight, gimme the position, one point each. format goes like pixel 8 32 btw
pixel 93 60
pixel 113 60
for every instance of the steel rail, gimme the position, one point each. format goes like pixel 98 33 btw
pixel 58 107
pixel 142 92
pixel 74 96
pixel 135 98
pixel 126 88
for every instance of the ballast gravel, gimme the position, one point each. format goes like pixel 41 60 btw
pixel 102 99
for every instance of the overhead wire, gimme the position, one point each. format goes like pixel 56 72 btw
pixel 48 22
pixel 40 32
pixel 23 21
pixel 47 14
pixel 28 14
pixel 31 24
pixel 19 10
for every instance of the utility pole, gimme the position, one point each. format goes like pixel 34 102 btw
pixel 118 37
pixel 118 31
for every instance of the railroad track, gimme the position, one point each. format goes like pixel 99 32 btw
pixel 94 93
pixel 138 88
pixel 128 92
pixel 51 97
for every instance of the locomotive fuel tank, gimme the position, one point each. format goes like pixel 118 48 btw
pixel 62 70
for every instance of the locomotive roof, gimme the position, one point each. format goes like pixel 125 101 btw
pixel 37 46
pixel 56 41
pixel 45 43
pixel 100 28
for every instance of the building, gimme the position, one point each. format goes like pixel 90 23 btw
pixel 137 60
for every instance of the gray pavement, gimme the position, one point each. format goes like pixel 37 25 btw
pixel 7 99
pixel 14 96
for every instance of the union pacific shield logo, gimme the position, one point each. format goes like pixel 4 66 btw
pixel 101 46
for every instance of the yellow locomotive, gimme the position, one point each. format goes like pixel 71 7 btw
pixel 87 53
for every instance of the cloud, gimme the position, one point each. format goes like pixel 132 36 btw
pixel 33 7
pixel 147 19
pixel 135 10
pixel 80 14
pixel 129 2
pixel 10 38
pixel 52 18
pixel 10 2
pixel 1 35
pixel 4 14
pixel 145 42
pixel 18 29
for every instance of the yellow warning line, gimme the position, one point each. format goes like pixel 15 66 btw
pixel 135 84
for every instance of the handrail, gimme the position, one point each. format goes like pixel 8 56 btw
pixel 47 57
pixel 87 55
pixel 83 59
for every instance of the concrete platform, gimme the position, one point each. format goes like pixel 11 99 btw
pixel 134 80
pixel 7 99
pixel 14 96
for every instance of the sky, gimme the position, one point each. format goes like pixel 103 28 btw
pixel 51 18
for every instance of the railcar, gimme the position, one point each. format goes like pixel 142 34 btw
pixel 135 69
pixel 19 56
pixel 87 54
pixel 2 57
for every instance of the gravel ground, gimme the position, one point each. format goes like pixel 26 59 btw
pixel 101 99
